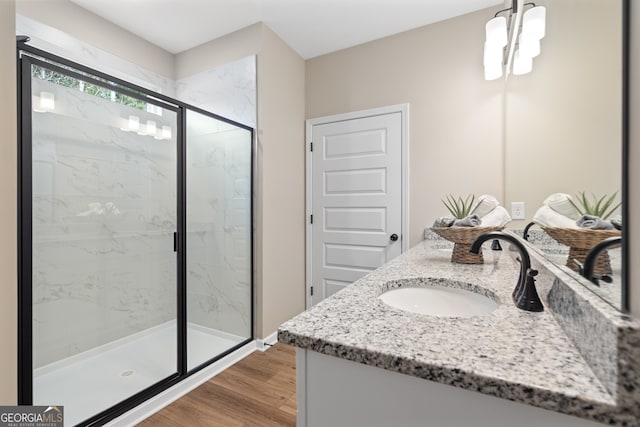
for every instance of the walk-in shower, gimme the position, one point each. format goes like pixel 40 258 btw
pixel 135 239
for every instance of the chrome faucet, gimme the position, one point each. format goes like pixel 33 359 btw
pixel 525 295
pixel 590 260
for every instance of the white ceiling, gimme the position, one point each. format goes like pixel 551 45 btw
pixel 310 27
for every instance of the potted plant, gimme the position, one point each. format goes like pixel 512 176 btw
pixel 581 240
pixel 597 206
pixel 462 237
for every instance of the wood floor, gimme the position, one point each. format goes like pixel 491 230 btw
pixel 260 390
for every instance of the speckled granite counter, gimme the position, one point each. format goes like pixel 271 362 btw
pixel 511 354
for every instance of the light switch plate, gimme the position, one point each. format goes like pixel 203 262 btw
pixel 517 210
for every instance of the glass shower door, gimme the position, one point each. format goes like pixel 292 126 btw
pixel 218 222
pixel 104 183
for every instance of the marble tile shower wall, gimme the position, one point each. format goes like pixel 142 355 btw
pixel 103 220
pixel 219 230
pixel 60 43
pixel 91 316
pixel 228 90
pixel 219 199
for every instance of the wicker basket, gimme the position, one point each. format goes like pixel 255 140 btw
pixel 580 241
pixel 462 237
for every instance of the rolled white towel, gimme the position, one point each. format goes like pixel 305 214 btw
pixel 498 217
pixel 547 217
pixel 561 203
pixel 486 204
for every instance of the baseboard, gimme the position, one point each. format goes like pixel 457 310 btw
pixel 266 342
pixel 156 403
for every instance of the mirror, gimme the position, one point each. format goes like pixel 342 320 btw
pixel 564 122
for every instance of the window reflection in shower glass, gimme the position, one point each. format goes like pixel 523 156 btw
pixel 104 269
pixel 218 237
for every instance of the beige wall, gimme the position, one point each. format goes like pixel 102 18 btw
pixel 8 171
pixel 96 31
pixel 281 77
pixel 563 127
pixel 220 51
pixel 634 162
pixel 455 115
pixel 453 110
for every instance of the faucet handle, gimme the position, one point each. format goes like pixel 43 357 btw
pixel 528 299
pixel 595 279
pixel 605 278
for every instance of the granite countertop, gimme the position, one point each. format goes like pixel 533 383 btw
pixel 509 353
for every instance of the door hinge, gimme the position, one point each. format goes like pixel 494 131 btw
pixel 311 219
pixel 311 146
pixel 312 291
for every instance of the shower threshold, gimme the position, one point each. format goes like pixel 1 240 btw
pixel 92 381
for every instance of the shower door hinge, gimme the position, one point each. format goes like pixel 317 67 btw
pixel 312 291
pixel 311 219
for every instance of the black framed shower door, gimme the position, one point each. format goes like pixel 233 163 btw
pixel 135 231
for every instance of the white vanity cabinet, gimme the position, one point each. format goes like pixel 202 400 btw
pixel 337 392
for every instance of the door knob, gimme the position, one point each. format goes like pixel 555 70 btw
pixel 393 237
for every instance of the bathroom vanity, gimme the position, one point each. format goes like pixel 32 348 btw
pixel 363 362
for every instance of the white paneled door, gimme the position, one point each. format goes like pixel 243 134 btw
pixel 356 199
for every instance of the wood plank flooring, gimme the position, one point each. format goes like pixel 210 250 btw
pixel 260 390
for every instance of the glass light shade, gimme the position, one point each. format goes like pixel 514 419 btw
pixel 534 22
pixel 151 127
pixel 492 72
pixel 529 46
pixel 47 101
pixel 496 31
pixel 521 64
pixel 492 54
pixel 134 123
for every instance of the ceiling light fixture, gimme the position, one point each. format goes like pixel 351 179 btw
pixel 510 49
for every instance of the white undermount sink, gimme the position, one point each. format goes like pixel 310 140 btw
pixel 439 301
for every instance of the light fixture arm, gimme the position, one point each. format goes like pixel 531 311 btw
pixel 514 25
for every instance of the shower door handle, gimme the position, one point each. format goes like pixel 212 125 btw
pixel 175 241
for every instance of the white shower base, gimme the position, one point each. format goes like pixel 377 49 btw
pixel 97 379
